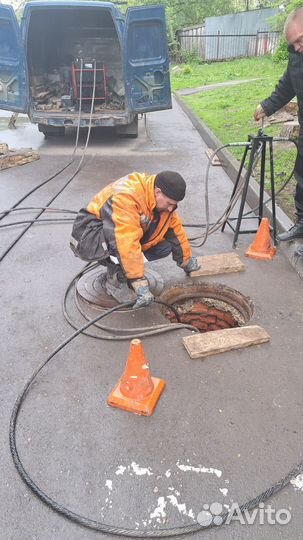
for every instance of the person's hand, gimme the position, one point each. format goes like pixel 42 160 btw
pixel 191 266
pixel 259 113
pixel 144 295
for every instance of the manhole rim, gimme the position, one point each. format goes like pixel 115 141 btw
pixel 187 290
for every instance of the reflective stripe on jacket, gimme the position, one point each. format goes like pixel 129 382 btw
pixel 126 208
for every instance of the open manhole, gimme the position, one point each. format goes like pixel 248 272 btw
pixel 207 306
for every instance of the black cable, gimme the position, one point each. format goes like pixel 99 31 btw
pixel 212 227
pixel 3 255
pixel 66 183
pixel 6 212
pixel 203 225
pixel 137 332
pixel 47 208
pixel 36 221
pixel 82 520
pixel 281 188
pixel 195 225
pixel 96 525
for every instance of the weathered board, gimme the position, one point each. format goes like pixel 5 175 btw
pixel 223 263
pixel 17 157
pixel 219 341
pixel 3 149
pixel 214 159
pixel 290 129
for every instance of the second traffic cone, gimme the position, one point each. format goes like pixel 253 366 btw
pixel 137 391
pixel 261 248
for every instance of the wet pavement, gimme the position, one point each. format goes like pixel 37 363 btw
pixel 226 427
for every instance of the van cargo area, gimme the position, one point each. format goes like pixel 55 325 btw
pixel 82 63
pixel 67 51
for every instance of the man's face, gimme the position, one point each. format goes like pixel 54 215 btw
pixel 294 35
pixel 164 203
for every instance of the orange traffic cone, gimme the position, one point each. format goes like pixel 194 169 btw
pixel 137 391
pixel 261 248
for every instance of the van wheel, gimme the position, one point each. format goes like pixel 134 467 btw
pixel 51 131
pixel 129 130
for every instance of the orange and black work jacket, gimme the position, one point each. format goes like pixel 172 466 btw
pixel 126 208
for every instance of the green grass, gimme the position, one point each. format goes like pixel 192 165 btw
pixel 194 75
pixel 228 112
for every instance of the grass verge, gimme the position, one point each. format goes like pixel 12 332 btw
pixel 194 75
pixel 228 113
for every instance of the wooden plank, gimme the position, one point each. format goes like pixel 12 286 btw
pixel 17 157
pixel 214 160
pixel 3 149
pixel 290 129
pixel 219 341
pixel 222 263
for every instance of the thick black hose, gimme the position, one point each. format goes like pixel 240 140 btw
pixel 3 255
pixel 211 228
pixel 6 212
pixel 129 332
pixel 36 221
pixel 50 209
pixel 82 520
pixel 14 207
pixel 70 179
pixel 281 188
pixel 103 527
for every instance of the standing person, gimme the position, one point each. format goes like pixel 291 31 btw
pixel 132 218
pixel 289 86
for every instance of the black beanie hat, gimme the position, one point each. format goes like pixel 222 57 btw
pixel 171 184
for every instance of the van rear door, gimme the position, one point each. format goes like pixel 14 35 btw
pixel 146 64
pixel 13 71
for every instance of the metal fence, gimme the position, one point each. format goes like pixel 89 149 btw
pixel 219 46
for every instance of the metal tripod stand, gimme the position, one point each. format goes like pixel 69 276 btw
pixel 257 145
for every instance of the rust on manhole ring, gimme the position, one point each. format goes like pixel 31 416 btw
pixel 207 306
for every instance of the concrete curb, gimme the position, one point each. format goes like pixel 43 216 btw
pixel 231 167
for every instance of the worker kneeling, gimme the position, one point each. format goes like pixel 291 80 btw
pixel 132 218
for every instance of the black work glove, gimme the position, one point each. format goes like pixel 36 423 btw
pixel 191 266
pixel 144 296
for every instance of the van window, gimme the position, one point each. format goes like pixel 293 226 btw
pixel 145 41
pixel 8 42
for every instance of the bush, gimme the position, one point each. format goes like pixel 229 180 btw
pixel 174 51
pixel 187 70
pixel 181 56
pixel 189 57
pixel 281 53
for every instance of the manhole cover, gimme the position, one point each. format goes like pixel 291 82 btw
pixel 207 306
pixel 90 291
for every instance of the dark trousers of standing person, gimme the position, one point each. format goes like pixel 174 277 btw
pixel 296 231
pixel 298 174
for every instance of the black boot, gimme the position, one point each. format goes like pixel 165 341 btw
pixel 116 284
pixel 296 231
pixel 299 251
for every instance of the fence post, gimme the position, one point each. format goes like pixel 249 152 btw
pixel 218 44
pixel 265 44
pixel 257 44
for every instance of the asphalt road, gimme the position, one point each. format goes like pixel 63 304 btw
pixel 225 429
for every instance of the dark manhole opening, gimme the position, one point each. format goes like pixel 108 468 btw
pixel 207 306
